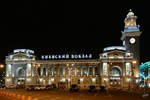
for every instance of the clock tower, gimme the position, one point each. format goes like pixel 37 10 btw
pixel 130 38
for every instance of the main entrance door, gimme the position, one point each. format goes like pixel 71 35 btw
pixel 21 78
pixel 115 76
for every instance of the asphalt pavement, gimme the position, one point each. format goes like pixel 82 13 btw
pixel 5 98
pixel 66 95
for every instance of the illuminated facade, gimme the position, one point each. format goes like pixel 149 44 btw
pixel 116 66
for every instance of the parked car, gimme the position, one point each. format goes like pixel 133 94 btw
pixel 30 87
pixel 74 88
pixel 20 86
pixel 42 87
pixel 49 87
pixel 53 86
pixel 39 87
pixel 2 85
pixel 11 86
pixel 92 88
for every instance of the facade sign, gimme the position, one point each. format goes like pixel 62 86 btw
pixel 67 56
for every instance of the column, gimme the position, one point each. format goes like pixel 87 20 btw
pixel 52 70
pixel 75 71
pixel 46 71
pixel 58 71
pixel 41 71
pixel 87 70
pixel 64 73
pixel 93 70
pixel 81 71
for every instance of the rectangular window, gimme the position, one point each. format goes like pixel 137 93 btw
pixel 90 70
pixel 61 71
pixel 55 71
pixel 96 70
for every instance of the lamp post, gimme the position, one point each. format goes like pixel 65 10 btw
pixel 2 74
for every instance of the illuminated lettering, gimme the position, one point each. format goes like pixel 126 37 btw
pixel 67 56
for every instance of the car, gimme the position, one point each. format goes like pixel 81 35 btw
pixel 2 85
pixel 53 86
pixel 39 87
pixel 30 87
pixel 74 88
pixel 49 87
pixel 92 88
pixel 19 87
pixel 42 87
pixel 11 87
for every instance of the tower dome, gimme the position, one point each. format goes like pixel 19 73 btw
pixel 130 13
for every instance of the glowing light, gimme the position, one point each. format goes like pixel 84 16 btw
pixel 28 79
pixel 52 79
pixel 41 79
pixel 128 79
pixel 114 47
pixel 81 79
pixel 63 79
pixel 105 79
pixel 134 62
pixel 1 66
pixel 8 80
pixel 93 79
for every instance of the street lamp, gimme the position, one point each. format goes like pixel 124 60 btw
pixel 1 66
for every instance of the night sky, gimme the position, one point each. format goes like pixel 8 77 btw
pixel 57 27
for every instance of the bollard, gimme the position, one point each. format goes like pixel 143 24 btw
pixel 35 99
pixel 23 97
pixel 29 98
pixel 18 97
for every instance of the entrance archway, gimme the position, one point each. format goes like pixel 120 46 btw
pixel 115 76
pixel 20 77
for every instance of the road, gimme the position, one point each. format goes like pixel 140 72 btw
pixel 66 95
pixel 5 98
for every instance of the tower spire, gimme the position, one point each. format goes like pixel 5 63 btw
pixel 130 22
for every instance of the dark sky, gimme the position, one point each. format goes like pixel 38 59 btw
pixel 58 27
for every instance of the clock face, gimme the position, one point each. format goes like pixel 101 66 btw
pixel 132 40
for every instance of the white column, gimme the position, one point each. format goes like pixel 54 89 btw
pixel 93 71
pixel 75 71
pixel 52 71
pixel 28 70
pixel 81 71
pixel 64 71
pixel 47 71
pixel 41 71
pixel 87 70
